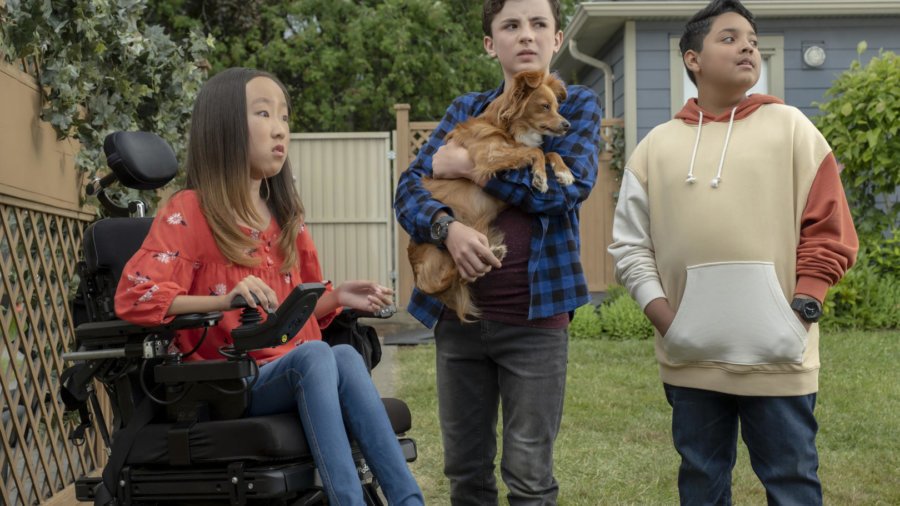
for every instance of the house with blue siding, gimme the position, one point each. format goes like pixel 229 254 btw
pixel 627 51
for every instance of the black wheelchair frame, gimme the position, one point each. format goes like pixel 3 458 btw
pixel 178 434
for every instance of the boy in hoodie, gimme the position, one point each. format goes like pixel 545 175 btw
pixel 731 225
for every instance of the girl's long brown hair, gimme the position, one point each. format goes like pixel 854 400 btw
pixel 218 168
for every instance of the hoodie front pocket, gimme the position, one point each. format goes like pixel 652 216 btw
pixel 734 313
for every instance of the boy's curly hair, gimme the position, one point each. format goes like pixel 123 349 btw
pixel 698 26
pixel 492 7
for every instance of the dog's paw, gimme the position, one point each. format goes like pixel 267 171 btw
pixel 539 181
pixel 499 251
pixel 565 178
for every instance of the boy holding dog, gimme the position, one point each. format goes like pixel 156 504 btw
pixel 515 355
pixel 726 213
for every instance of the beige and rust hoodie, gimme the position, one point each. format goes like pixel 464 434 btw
pixel 728 217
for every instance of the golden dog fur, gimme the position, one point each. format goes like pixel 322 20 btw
pixel 506 135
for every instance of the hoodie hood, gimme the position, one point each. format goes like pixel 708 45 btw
pixel 692 112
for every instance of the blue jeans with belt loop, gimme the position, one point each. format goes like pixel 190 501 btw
pixel 330 387
pixel 780 434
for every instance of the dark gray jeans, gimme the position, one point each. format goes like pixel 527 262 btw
pixel 481 366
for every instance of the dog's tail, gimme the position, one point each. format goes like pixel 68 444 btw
pixel 466 310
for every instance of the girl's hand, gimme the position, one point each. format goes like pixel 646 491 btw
pixel 255 286
pixel 366 296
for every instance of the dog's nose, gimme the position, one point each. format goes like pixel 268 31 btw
pixel 565 125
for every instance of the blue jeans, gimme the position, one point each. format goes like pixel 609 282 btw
pixel 780 434
pixel 486 364
pixel 330 387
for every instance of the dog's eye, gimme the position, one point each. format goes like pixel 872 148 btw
pixel 546 107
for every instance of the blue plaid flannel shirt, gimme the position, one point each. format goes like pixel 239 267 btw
pixel 557 279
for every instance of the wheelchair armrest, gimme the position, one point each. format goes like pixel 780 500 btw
pixel 383 314
pixel 89 333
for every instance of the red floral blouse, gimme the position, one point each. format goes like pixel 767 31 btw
pixel 180 257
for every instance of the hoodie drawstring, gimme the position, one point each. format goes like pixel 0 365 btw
pixel 690 177
pixel 716 181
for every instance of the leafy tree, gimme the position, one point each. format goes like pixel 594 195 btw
pixel 862 123
pixel 346 63
pixel 103 68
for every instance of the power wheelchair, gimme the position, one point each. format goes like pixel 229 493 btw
pixel 178 435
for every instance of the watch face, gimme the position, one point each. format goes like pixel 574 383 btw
pixel 811 310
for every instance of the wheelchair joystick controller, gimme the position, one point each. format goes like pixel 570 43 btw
pixel 280 325
pixel 250 316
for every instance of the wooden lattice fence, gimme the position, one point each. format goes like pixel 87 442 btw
pixel 38 252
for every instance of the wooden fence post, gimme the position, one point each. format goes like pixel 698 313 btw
pixel 403 154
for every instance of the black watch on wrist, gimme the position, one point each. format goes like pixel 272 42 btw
pixel 808 309
pixel 439 229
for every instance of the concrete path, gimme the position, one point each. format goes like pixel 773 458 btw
pixel 399 330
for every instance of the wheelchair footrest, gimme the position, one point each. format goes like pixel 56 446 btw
pixel 408 447
pixel 84 488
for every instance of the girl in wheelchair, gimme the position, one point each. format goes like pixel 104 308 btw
pixel 238 230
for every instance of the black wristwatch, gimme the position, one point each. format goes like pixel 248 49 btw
pixel 439 229
pixel 808 309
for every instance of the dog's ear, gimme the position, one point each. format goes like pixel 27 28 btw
pixel 524 83
pixel 532 79
pixel 558 87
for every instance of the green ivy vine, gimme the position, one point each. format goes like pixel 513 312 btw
pixel 103 69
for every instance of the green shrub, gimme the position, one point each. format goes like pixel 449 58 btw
pixel 613 292
pixel 884 254
pixel 586 324
pixel 622 319
pixel 865 299
pixel 861 121
pixel 617 318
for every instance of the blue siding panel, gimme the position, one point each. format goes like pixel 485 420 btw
pixel 803 85
pixel 613 54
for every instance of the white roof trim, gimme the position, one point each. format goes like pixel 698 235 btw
pixel 610 16
pixel 759 8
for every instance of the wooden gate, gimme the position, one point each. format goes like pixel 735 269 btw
pixel 344 180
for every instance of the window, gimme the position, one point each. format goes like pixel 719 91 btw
pixel 771 76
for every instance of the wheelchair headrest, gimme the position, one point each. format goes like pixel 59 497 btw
pixel 111 242
pixel 140 160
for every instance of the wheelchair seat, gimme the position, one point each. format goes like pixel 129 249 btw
pixel 189 448
pixel 257 439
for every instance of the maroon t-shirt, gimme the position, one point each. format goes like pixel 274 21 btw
pixel 503 294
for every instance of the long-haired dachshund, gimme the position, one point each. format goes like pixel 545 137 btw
pixel 507 135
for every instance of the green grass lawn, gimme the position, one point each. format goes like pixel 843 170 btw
pixel 615 446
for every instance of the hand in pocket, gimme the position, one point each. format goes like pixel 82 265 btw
pixel 660 314
pixel 803 322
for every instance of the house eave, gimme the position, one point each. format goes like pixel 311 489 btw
pixel 594 23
